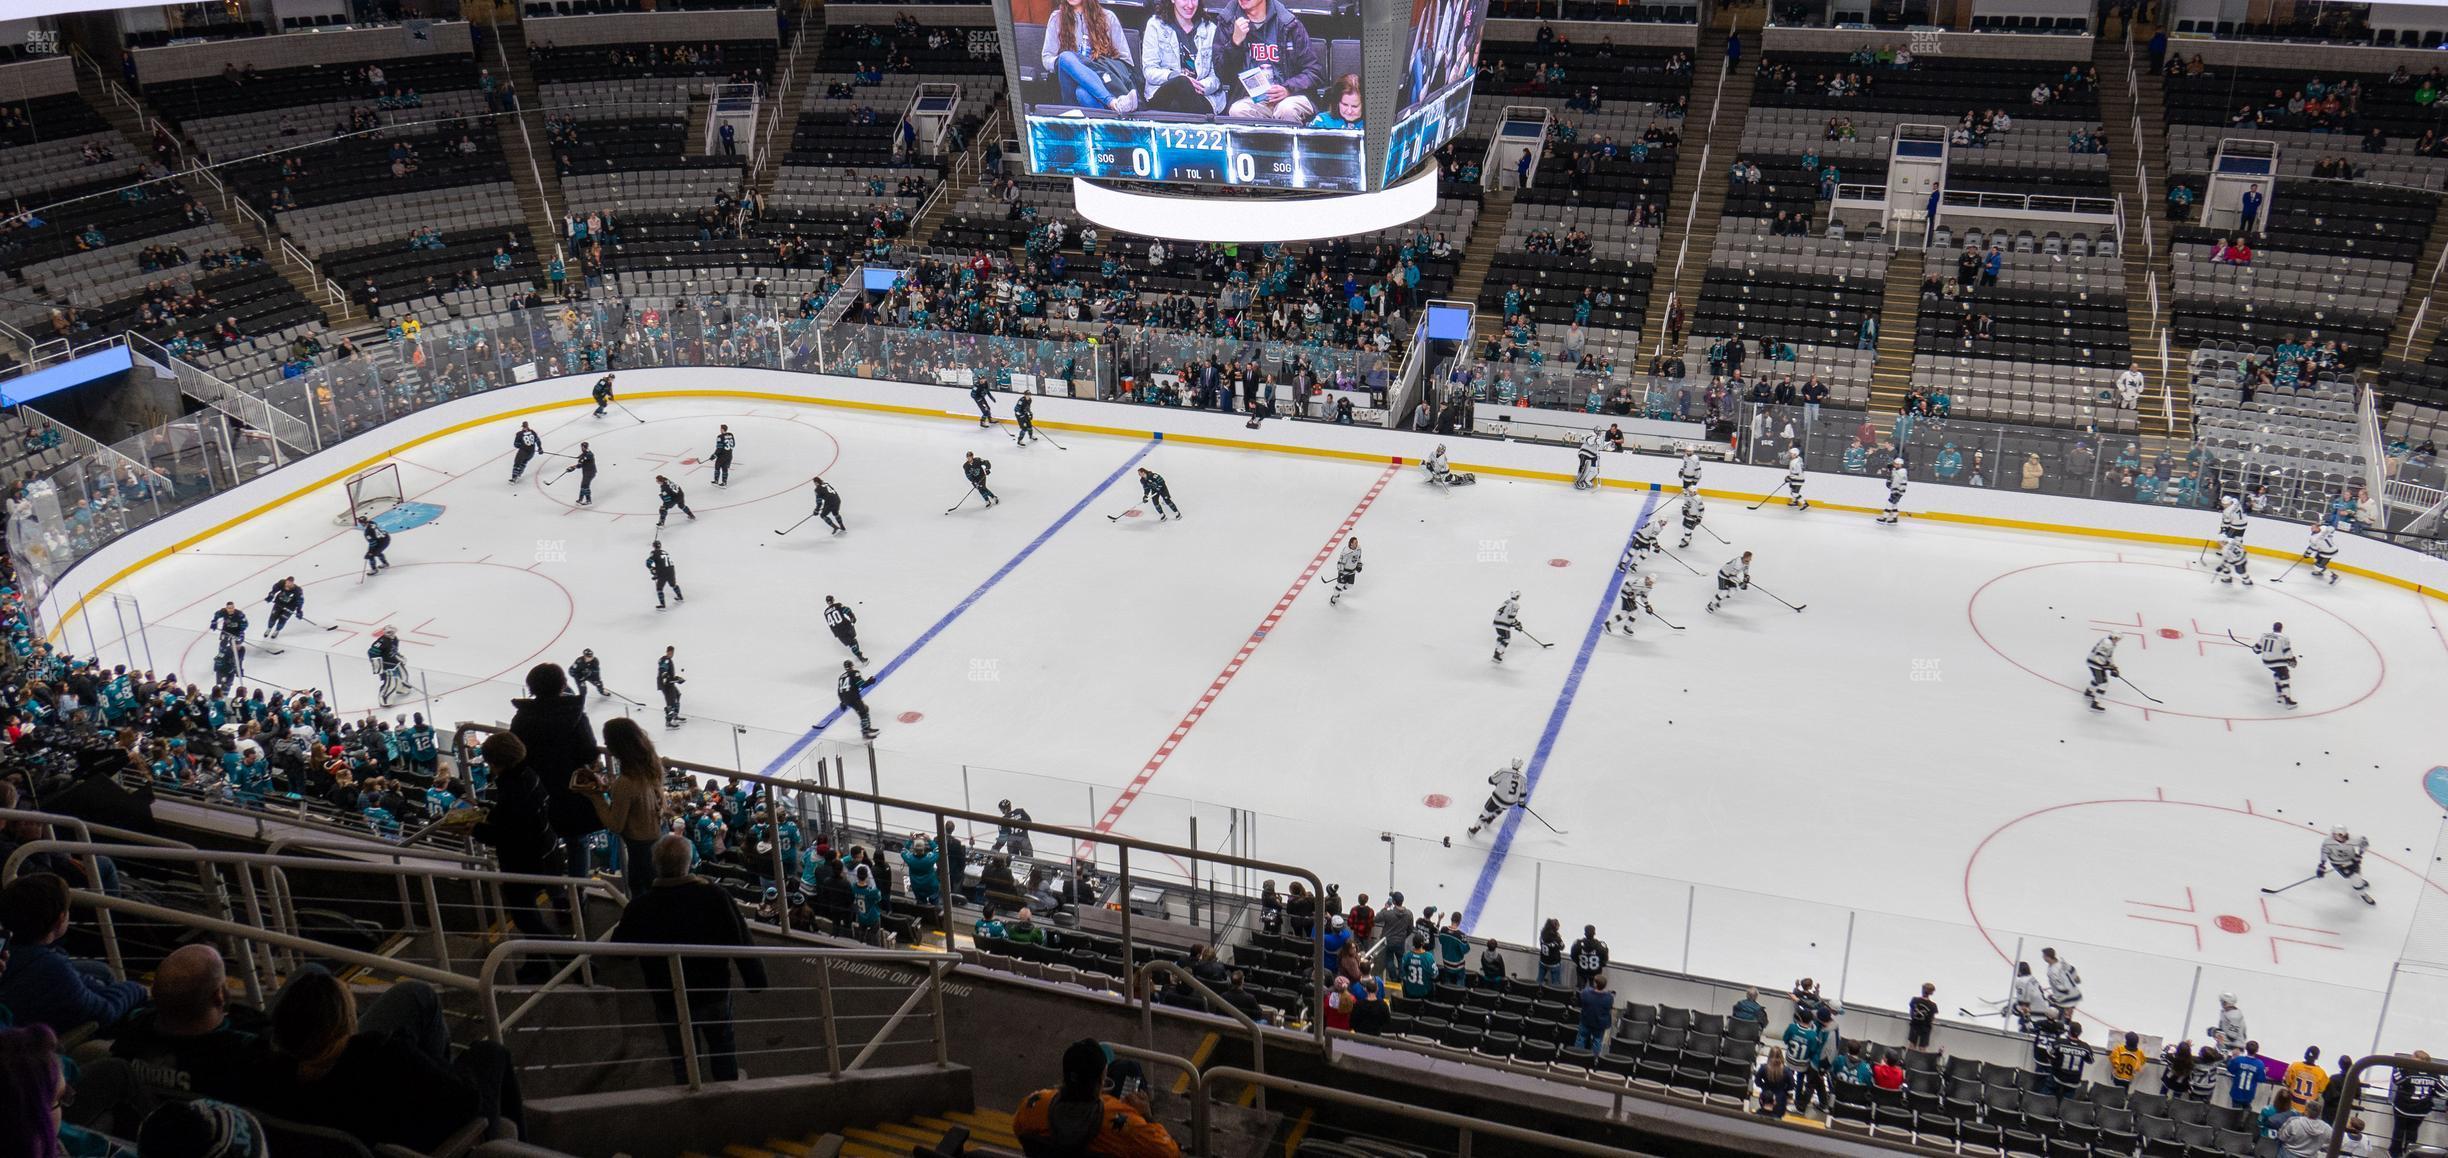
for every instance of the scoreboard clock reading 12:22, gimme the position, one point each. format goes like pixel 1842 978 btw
pixel 1257 156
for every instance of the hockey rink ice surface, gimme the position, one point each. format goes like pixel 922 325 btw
pixel 1899 784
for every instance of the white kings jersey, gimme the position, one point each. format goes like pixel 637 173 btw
pixel 1509 615
pixel 2274 649
pixel 2232 518
pixel 1690 472
pixel 1793 469
pixel 2231 553
pixel 1506 785
pixel 1735 571
pixel 1897 478
pixel 2344 853
pixel 1348 562
pixel 2103 653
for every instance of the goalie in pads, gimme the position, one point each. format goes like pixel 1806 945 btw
pixel 1444 475
pixel 384 657
pixel 1507 790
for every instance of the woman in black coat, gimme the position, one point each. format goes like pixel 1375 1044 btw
pixel 519 828
pixel 553 724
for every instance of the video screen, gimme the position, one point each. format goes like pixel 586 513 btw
pixel 1439 67
pixel 1252 93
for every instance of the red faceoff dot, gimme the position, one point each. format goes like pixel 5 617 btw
pixel 1559 562
pixel 2170 633
pixel 2230 923
pixel 910 717
pixel 1437 800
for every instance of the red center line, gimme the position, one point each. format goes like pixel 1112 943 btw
pixel 1207 699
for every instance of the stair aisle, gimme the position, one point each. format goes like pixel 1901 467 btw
pixel 1479 249
pixel 2145 213
pixel 532 173
pixel 1710 144
pixel 1899 317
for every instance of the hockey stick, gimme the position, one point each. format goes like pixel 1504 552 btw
pixel 1663 619
pixel 312 623
pixel 1763 501
pixel 266 644
pixel 1678 560
pixel 1779 598
pixel 1041 434
pixel 964 501
pixel 2280 889
pixel 1721 539
pixel 1543 820
pixel 2281 576
pixel 2202 557
pixel 625 699
pixel 2139 692
pixel 795 526
pixel 1532 638
pixel 631 413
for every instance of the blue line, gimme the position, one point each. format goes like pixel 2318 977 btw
pixel 774 767
pixel 1555 726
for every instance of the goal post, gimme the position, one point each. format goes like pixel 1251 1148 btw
pixel 370 492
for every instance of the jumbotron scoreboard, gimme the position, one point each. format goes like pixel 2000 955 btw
pixel 1239 155
pixel 1318 96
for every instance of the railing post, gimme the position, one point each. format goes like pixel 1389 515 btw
pixel 688 1023
pixel 935 992
pixel 1130 953
pixel 773 824
pixel 824 1010
pixel 433 915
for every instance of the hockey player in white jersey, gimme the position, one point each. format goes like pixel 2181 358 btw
pixel 1442 474
pixel 1793 479
pixel 2102 662
pixel 2064 984
pixel 1347 569
pixel 2277 653
pixel 2230 1033
pixel 1506 790
pixel 1897 479
pixel 1507 621
pixel 1693 508
pixel 1689 472
pixel 1734 576
pixel 1644 543
pixel 2231 519
pixel 2343 854
pixel 2233 564
pixel 1634 597
pixel 1585 474
pixel 2322 550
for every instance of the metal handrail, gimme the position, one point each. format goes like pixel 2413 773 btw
pixel 1144 993
pixel 280 901
pixel 930 991
pixel 2347 1083
pixel 86 831
pixel 1468 1128
pixel 1124 846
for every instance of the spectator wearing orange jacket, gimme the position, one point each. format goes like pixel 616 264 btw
pixel 1080 1117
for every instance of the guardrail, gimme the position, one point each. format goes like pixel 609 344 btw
pixel 1467 1130
pixel 687 1013
pixel 833 799
pixel 2035 203
pixel 269 900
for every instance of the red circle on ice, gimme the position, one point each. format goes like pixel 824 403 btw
pixel 2230 923
pixel 910 717
pixel 2170 633
pixel 1437 800
pixel 1559 562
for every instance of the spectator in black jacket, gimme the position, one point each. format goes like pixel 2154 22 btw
pixel 519 827
pixel 683 909
pixel 2412 1096
pixel 552 723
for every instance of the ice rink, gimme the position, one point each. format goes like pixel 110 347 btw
pixel 1898 784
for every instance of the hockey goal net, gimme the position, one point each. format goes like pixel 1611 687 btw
pixel 371 492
